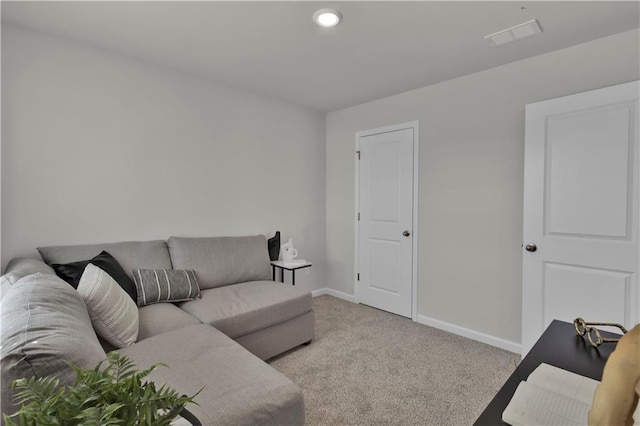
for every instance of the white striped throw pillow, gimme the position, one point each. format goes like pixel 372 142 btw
pixel 165 285
pixel 113 314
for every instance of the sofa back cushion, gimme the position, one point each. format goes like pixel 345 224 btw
pixel 220 261
pixel 129 254
pixel 43 325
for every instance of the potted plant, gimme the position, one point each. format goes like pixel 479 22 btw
pixel 109 394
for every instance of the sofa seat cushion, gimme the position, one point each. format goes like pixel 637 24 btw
pixel 44 325
pixel 239 388
pixel 129 254
pixel 244 308
pixel 160 318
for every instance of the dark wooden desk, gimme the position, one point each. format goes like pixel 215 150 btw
pixel 559 346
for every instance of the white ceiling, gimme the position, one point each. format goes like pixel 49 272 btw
pixel 275 49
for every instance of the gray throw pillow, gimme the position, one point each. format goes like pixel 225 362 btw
pixel 44 326
pixel 165 285
pixel 20 267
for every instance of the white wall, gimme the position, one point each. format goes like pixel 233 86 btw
pixel 97 147
pixel 471 178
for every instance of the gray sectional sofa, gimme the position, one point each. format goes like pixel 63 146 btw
pixel 218 341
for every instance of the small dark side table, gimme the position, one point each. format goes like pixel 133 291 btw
pixel 289 266
pixel 559 346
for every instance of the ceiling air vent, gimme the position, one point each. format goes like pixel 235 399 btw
pixel 524 30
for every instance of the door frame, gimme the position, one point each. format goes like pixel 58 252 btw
pixel 414 261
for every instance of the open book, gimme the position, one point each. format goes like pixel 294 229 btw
pixel 552 396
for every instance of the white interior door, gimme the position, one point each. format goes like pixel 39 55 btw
pixel 581 210
pixel 385 225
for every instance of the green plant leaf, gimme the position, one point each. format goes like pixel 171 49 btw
pixel 112 393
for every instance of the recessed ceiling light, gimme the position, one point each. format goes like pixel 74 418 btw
pixel 327 17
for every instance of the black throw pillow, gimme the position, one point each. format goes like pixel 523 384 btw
pixel 71 272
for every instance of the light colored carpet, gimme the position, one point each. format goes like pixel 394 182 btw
pixel 368 367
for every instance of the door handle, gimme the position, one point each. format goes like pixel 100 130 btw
pixel 406 233
pixel 531 247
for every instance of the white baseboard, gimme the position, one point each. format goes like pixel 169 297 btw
pixel 440 325
pixel 335 293
pixel 471 334
pixel 319 292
